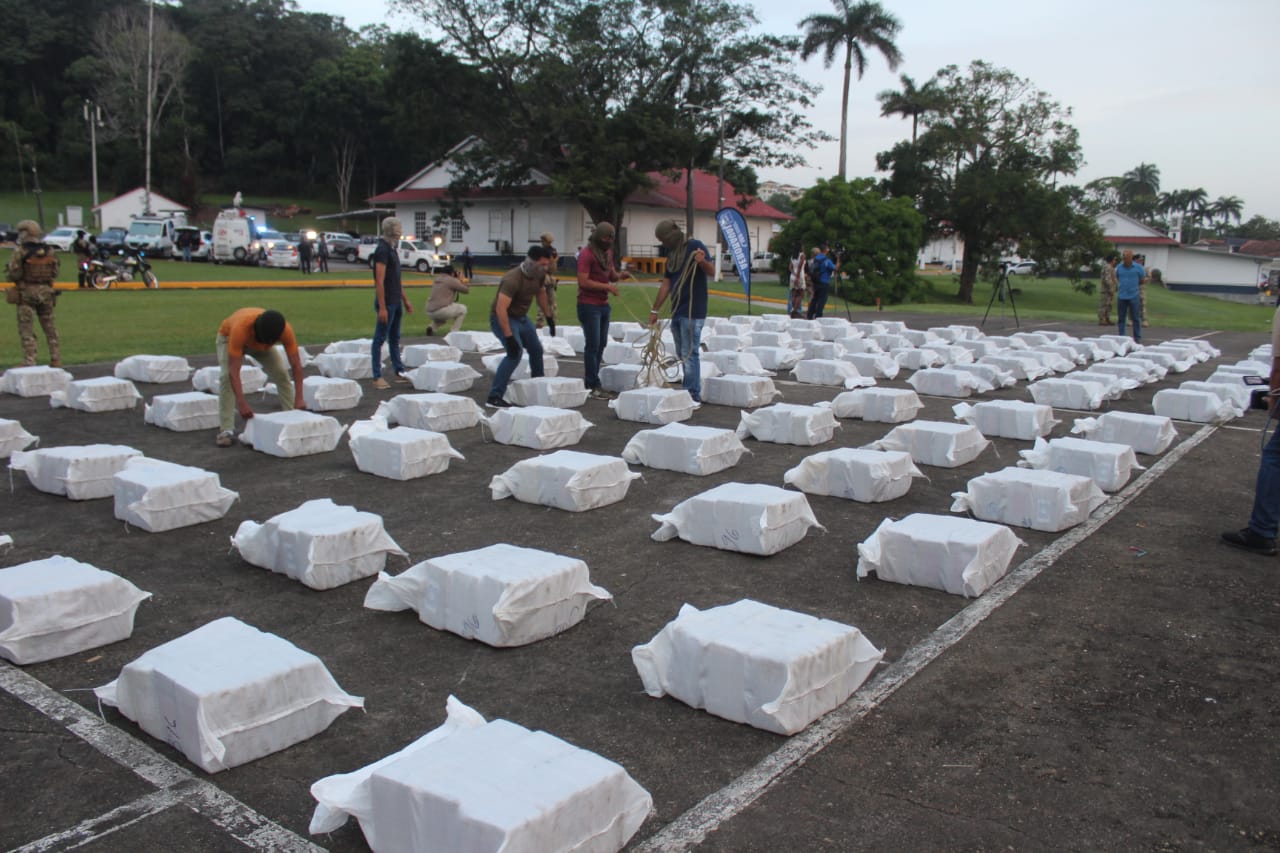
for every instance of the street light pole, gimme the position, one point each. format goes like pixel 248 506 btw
pixel 151 23
pixel 93 115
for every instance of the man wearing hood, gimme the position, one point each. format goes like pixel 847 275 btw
pixel 509 320
pixel 685 281
pixel 33 269
pixel 597 277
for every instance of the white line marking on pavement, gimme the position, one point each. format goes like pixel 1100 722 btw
pixel 692 827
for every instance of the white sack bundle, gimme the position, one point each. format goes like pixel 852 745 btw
pixel 1155 370
pixel 559 345
pixel 627 331
pixel 14 438
pixel 557 392
pixel 36 381
pixel 292 433
pixel 227 693
pixel 736 363
pixel 919 338
pixel 157 496
pixel 624 377
pixel 1202 407
pixel 744 392
pixel 753 663
pixel 474 341
pixel 830 372
pixel 980 347
pixel 753 518
pixel 725 343
pixel 956 555
pixel 319 543
pixel 153 368
pixel 775 358
pixel 329 394
pixel 915 359
pixel 989 373
pixel 871 328
pixel 1006 342
pixel 1023 366
pixel 471 785
pixel 788 423
pixel 859 346
pixel 1114 387
pixel 948 382
pixel 618 352
pixel 102 394
pixel 949 354
pixel 1150 434
pixel 766 322
pixel 1052 358
pixel 1069 393
pixel 1042 500
pixel 1031 339
pixel 399 453
pixel 1181 352
pixel 1008 418
pixel 416 355
pixel 502 595
pixel 252 378
pixel 888 341
pixel 1137 374
pixel 706 368
pixel 185 412
pixel 653 405
pixel 1210 351
pixel 1125 343
pixel 431 411
pixel 1088 350
pixel 822 349
pixel 1247 367
pixel 937 443
pixel 58 606
pixel 688 449
pixel 574 337
pixel 1238 393
pixel 1115 348
pixel 869 476
pixel 565 479
pixel 1108 464
pixel 833 328
pixel 81 472
pixel 444 377
pixel 550 367
pixel 1164 359
pixel 801 335
pixel 355 345
pixel 345 365
pixel 877 365
pixel 537 427
pixel 882 405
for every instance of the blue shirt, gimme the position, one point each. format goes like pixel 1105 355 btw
pixel 695 290
pixel 385 254
pixel 1128 279
pixel 826 267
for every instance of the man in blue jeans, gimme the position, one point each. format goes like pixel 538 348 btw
pixel 1129 276
pixel 389 301
pixel 597 281
pixel 1260 536
pixel 685 280
pixel 822 268
pixel 509 320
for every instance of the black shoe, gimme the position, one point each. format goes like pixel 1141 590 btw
pixel 1247 540
pixel 499 403
pixel 430 331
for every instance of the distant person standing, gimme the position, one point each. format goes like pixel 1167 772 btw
pixel 82 247
pixel 322 255
pixel 465 257
pixel 254 332
pixel 33 269
pixel 597 281
pixel 443 305
pixel 184 243
pixel 305 250
pixel 1107 289
pixel 796 285
pixel 1129 276
pixel 1141 260
pixel 390 303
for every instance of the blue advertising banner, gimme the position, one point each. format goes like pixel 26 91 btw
pixel 734 226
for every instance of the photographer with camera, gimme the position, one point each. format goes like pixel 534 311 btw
pixel 821 269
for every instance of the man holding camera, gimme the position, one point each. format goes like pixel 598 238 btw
pixel 821 269
pixel 509 320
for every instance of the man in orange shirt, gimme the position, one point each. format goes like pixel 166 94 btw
pixel 254 332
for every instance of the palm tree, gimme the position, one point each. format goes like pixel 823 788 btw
pixel 1226 208
pixel 1143 179
pixel 912 102
pixel 1195 205
pixel 852 27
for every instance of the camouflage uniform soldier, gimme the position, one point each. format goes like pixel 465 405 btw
pixel 33 269
pixel 1107 290
pixel 549 283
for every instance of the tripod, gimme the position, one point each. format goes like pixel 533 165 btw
pixel 1002 287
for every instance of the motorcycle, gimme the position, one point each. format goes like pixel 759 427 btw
pixel 102 272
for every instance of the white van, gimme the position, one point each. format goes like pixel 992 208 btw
pixel 235 238
pixel 155 235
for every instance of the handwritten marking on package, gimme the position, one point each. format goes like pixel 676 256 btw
pixel 729 539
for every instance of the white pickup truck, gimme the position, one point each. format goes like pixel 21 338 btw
pixel 414 254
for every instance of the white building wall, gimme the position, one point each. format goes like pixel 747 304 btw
pixel 1203 270
pixel 121 210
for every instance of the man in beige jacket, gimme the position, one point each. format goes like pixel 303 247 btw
pixel 442 306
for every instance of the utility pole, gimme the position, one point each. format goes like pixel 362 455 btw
pixel 93 115
pixel 151 27
pixel 35 189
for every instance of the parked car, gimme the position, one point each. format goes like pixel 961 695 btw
pixel 345 247
pixel 1023 268
pixel 62 238
pixel 202 251
pixel 111 240
pixel 281 254
pixel 8 234
pixel 422 256
pixel 762 261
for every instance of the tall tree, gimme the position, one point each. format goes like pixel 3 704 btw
pixel 911 101
pixel 1139 191
pixel 855 29
pixel 1224 209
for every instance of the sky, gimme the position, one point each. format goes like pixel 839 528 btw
pixel 1188 86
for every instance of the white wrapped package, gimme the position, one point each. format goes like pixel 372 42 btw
pixel 947 382
pixel 1023 366
pixel 320 544
pixel 653 405
pixel 872 328
pixel 869 476
pixel 916 359
pixel 830 372
pixel 1155 370
pixel 103 394
pixel 617 352
pixel 153 368
pixel 550 367
pixel 345 365
pixel 1114 386
pixel 706 368
pixel 1068 393
pixel 417 355
pixel 725 326
pixel 752 518
pixel 627 331
pixel 1107 464
pixel 537 427
pixel 558 392
pixel 1006 342
pixel 859 346
pixel 1150 434
pixel 822 349
pixel 687 449
pixel 431 411
pixel 81 472
pixel 185 412
pixel 1088 350
pixel 801 335
pixel 1042 500
pixel 58 606
pixel 775 358
pixel 1164 359
pixel 1031 339
pixel 1245 368
pixel 745 392
pixel 989 373
pixel 1209 351
pixel 14 438
pixel 252 378
pixel 883 405
pixel 736 363
pixel 725 343
pixel 949 354
pixel 292 433
pixel 956 555
pixel 355 345
pixel 980 347
pixel 501 595
pixel 919 338
pixel 559 346
pixel 943 445
pixel 227 693
pixel 328 393
pixel 472 785
pixel 1138 374
pixel 890 341
pixel 444 377
pixel 875 365
pixel 1236 392
pixel 752 663
pixel 565 479
pixel 157 496
pixel 625 377
pixel 1181 353
pixel 1051 358
pixel 36 381
pixel 1202 407
pixel 473 341
pixel 400 453
pixel 787 423
pixel 1008 418
pixel 832 328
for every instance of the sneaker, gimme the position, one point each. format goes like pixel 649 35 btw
pixel 599 394
pixel 225 438
pixel 402 379
pixel 497 403
pixel 381 384
pixel 1247 540
pixel 430 331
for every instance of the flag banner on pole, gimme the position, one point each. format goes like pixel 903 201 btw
pixel 734 226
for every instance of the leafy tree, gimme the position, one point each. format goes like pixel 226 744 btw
pixel 852 27
pixel 1224 209
pixel 912 102
pixel 1259 228
pixel 780 201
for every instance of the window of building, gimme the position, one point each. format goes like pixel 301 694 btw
pixel 420 225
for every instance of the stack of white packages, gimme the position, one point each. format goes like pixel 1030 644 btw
pixel 653 405
pixel 292 433
pixel 537 427
pixel 627 331
pixel 565 479
pixel 888 341
pixel 832 328
pixel 1138 374
pixel 1181 352
pixel 775 358
pixel 772 338
pixel 687 449
pixel 320 544
pixel 252 378
pixel 1052 361
pixel 472 785
pixel 875 365
pixel 859 346
pixel 1124 342
pixel 550 367
pixel 1007 418
pixel 185 412
pixel 1165 360
pixel 800 335
pixel 949 354
pixel 918 338
pixel 1115 348
pixel 157 496
pixel 1069 393
pixel 1114 386
pixel 1248 367
pixel 1236 392
pixel 822 349
pixel 444 377
pixel 571 335
pixel 417 355
pixel 831 372
pixel 81 472
pixel 1209 351
pixel 58 606
pixel 473 341
pixel 1069 354
pixel 753 663
pixel 788 423
pixel 1154 370
pixel 1150 434
pixel 1108 464
pixel 1006 342
pixel 916 359
pixel 617 352
pixel 948 382
pixel 736 363
pixel 957 555
pixel 227 693
pixel 38 381
pixel 557 346
pixel 555 391
pixel 400 453
pixel 869 476
pixel 1088 350
pixel 153 368
pixel 1023 366
pixel 103 394
pixel 752 518
pixel 1202 407
pixel 345 365
pixel 989 373
pixel 1032 339
pixel 14 438
pixel 436 412
pixel 943 445
pixel 724 343
pixel 355 345
pixel 883 405
pixel 1042 500
pixel 872 328
pixel 745 392
pixel 625 377
pixel 501 595
pixel 329 393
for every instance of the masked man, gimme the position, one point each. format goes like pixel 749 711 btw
pixel 33 269
pixel 685 281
